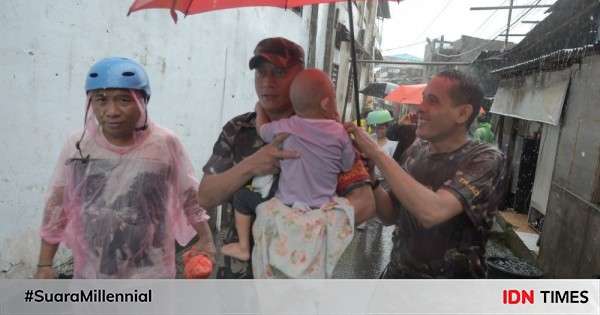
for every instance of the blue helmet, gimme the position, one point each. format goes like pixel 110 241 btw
pixel 117 73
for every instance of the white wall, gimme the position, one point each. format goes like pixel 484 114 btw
pixel 322 35
pixel 198 71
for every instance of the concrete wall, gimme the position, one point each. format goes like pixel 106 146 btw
pixel 571 234
pixel 198 70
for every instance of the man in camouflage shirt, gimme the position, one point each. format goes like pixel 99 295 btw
pixel 444 189
pixel 240 154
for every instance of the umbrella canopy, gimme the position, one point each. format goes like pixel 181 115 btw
pixel 379 89
pixel 407 94
pixel 198 6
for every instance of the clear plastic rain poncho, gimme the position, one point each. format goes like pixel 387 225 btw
pixel 121 210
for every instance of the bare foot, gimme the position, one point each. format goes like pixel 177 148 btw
pixel 236 251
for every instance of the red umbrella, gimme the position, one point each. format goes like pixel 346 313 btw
pixel 198 6
pixel 407 94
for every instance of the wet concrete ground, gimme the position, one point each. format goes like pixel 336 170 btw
pixel 365 258
pixel 368 254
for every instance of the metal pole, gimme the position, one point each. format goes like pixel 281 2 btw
pixel 354 69
pixel 512 6
pixel 419 63
pixel 508 24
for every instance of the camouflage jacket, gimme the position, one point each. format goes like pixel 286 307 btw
pixel 455 248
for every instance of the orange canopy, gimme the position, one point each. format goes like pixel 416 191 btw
pixel 407 94
pixel 411 94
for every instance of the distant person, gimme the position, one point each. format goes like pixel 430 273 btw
pixel 379 120
pixel 403 133
pixel 124 189
pixel 484 131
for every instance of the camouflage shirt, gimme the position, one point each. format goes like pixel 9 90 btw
pixel 455 248
pixel 239 139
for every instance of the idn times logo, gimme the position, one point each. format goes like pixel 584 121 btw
pixel 514 296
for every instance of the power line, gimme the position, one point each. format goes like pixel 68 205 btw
pixel 529 6
pixel 425 30
pixel 532 5
pixel 488 18
pixel 579 14
pixel 405 46
pixel 435 19
pixel 489 41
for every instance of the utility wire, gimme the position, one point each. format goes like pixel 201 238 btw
pixel 579 14
pixel 488 18
pixel 425 30
pixel 535 2
pixel 405 46
pixel 434 19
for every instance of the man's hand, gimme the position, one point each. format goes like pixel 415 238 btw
pixel 217 188
pixel 363 141
pixel 266 160
pixel 204 248
pixel 46 272
pixel 47 252
pixel 205 244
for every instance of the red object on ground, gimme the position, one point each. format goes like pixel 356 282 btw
pixel 196 266
pixel 407 94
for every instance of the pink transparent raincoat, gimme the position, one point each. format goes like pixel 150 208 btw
pixel 122 210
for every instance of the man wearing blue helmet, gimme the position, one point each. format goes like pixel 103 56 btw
pixel 124 188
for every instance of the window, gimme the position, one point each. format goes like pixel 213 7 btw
pixel 334 74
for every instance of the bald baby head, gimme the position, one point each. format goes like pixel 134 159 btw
pixel 312 95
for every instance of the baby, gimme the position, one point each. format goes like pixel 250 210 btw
pixel 325 150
